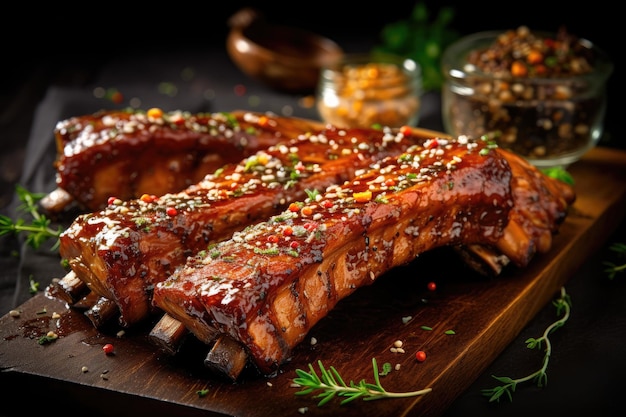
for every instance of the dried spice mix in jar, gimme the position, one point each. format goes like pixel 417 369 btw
pixel 542 96
pixel 364 90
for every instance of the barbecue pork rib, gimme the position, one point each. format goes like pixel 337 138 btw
pixel 268 285
pixel 128 153
pixel 121 252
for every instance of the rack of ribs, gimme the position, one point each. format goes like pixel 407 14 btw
pixel 128 153
pixel 124 250
pixel 262 290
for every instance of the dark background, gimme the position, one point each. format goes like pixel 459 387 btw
pixel 54 44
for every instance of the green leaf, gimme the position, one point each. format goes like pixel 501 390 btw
pixel 560 174
pixel 422 39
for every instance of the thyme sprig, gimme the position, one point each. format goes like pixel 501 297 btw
pixel 332 385
pixel 612 269
pixel 563 306
pixel 38 230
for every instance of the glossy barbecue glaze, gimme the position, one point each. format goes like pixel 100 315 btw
pixel 130 153
pixel 270 283
pixel 122 251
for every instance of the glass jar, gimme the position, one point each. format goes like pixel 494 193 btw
pixel 365 90
pixel 530 99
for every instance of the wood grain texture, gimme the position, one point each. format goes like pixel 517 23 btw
pixel 485 313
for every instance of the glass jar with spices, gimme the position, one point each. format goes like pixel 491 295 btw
pixel 540 95
pixel 365 90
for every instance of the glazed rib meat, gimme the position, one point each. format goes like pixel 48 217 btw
pixel 130 153
pixel 268 285
pixel 121 252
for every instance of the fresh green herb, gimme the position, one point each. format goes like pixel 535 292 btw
pixel 563 306
pixel 427 328
pixel 312 194
pixel 202 393
pixel 33 286
pixel 332 385
pixel 47 338
pixel 386 369
pixel 612 269
pixel 266 251
pixel 422 40
pixel 450 332
pixel 39 230
pixel 559 173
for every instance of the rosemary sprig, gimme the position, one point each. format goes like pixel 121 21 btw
pixel 332 384
pixel 38 230
pixel 563 306
pixel 612 269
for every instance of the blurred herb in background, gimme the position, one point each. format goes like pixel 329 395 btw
pixel 422 40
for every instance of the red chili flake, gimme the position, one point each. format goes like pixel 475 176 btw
pixel 406 130
pixel 240 90
pixel 390 182
pixel 293 207
pixel 420 355
pixel 300 166
pixel 147 198
pixel 432 286
pixel 541 69
pixel 287 231
pixel 108 349
pixel 272 239
pixel 307 211
pixel 432 144
pixel 178 120
pixel 171 211
pixel 294 245
pixel 327 204
pixel 111 200
pixel 310 226
pixel 550 43
pixel 117 97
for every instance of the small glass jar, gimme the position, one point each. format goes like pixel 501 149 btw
pixel 365 90
pixel 544 98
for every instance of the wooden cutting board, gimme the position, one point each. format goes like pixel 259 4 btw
pixel 485 314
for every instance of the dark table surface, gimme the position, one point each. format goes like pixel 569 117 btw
pixel 58 81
